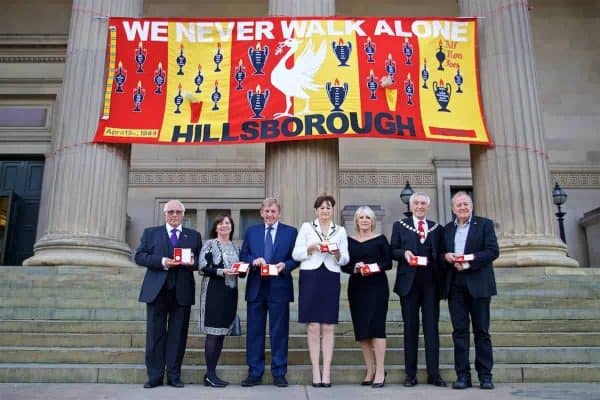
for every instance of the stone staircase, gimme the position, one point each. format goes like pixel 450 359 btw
pixel 67 324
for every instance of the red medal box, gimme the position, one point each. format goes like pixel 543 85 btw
pixel 177 254
pixel 416 261
pixel 464 258
pixel 268 270
pixel 240 267
pixel 368 269
pixel 328 247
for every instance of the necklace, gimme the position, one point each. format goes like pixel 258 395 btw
pixel 413 229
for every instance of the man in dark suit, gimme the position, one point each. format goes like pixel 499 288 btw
pixel 471 246
pixel 268 243
pixel 168 291
pixel 419 283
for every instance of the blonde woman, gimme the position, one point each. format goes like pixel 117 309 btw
pixel 369 292
pixel 322 248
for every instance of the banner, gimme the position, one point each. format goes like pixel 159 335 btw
pixel 231 81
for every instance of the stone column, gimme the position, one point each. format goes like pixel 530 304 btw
pixel 296 172
pixel 84 194
pixel 511 180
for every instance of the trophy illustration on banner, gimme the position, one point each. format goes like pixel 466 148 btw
pixel 195 107
pixel 409 89
pixel 258 58
pixel 458 79
pixel 178 100
pixel 408 51
pixel 337 94
pixel 218 58
pixel 372 85
pixel 180 60
pixel 442 94
pixel 216 96
pixel 159 78
pixel 138 96
pixel 390 67
pixel 198 79
pixel 425 74
pixel 120 77
pixel 342 51
pixel 257 101
pixel 240 75
pixel 440 56
pixel 140 57
pixel 370 49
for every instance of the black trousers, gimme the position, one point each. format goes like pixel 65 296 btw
pixel 463 307
pixel 166 335
pixel 422 296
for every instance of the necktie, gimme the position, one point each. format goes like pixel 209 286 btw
pixel 174 237
pixel 421 231
pixel 269 244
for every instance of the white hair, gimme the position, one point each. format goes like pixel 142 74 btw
pixel 421 194
pixel 366 210
pixel 176 202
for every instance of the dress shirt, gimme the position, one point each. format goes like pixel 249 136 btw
pixel 460 238
pixel 169 229
pixel 309 234
pixel 273 231
pixel 416 225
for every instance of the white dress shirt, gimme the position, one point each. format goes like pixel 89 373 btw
pixel 309 234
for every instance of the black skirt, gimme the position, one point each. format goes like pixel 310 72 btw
pixel 319 296
pixel 218 305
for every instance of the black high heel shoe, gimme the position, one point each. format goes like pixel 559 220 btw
pixel 216 383
pixel 379 385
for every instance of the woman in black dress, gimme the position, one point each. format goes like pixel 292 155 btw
pixel 218 293
pixel 368 292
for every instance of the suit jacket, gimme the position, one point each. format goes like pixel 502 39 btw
pixel 482 243
pixel 154 245
pixel 308 235
pixel 253 247
pixel 404 239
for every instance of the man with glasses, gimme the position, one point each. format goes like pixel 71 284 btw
pixel 168 291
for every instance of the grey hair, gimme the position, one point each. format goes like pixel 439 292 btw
pixel 269 201
pixel 369 213
pixel 461 193
pixel 422 194
pixel 174 201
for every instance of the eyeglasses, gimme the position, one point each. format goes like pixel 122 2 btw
pixel 171 212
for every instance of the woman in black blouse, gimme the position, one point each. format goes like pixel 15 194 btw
pixel 368 292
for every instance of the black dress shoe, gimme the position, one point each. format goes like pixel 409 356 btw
pixel 379 385
pixel 214 382
pixel 280 381
pixel 462 382
pixel 486 383
pixel 325 385
pixel 315 384
pixel 366 383
pixel 410 382
pixel 251 381
pixel 175 383
pixel 150 385
pixel 437 381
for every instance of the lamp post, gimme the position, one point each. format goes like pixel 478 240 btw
pixel 559 197
pixel 405 197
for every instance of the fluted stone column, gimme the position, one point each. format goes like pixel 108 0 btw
pixel 511 180
pixel 296 172
pixel 84 194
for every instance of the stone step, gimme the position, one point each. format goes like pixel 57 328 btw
pixel 139 326
pixel 297 374
pixel 342 356
pixel 500 312
pixel 296 341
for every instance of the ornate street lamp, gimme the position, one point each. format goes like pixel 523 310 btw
pixel 559 197
pixel 405 197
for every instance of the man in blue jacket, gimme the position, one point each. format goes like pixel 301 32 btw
pixel 168 291
pixel 471 247
pixel 270 243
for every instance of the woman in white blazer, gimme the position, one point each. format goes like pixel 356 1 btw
pixel 321 248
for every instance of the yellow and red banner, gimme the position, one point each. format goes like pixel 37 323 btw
pixel 231 81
